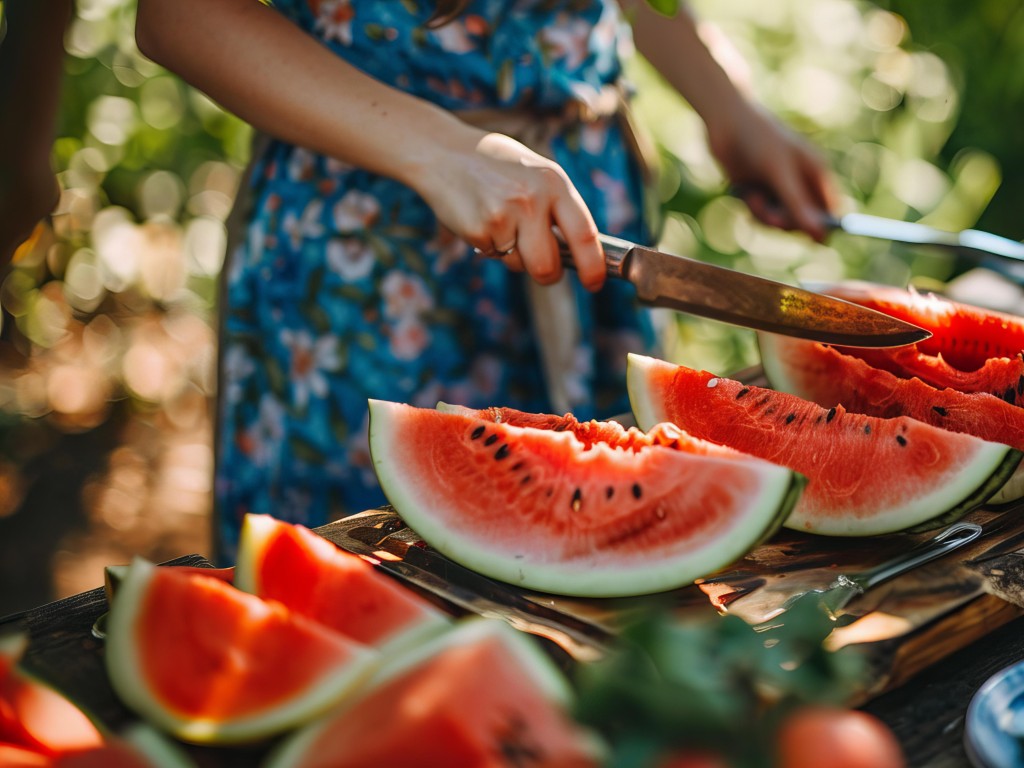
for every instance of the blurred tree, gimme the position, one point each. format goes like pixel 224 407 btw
pixel 982 42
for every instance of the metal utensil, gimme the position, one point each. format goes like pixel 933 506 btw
pixel 845 587
pixel 969 241
pixel 687 285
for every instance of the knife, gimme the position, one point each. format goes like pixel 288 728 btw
pixel 707 290
pixel 967 241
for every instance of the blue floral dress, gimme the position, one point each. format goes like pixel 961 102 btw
pixel 345 287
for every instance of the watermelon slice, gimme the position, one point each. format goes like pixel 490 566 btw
pixel 830 377
pixel 211 664
pixel 543 509
pixel 479 695
pixel 34 716
pixel 866 475
pixel 312 577
pixel 971 349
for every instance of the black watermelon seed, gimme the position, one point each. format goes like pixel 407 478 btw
pixel 525 480
pixel 1020 385
pixel 1010 395
pixel 491 440
pixel 742 392
pixel 940 410
pixel 477 432
pixel 764 400
pixel 790 418
pixel 502 452
pixel 577 500
pixel 867 429
pixel 609 492
pixel 830 415
pixel 637 492
pixel 517 466
pixel 901 439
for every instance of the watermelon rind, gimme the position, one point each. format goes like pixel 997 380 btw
pixel 294 750
pixel 158 750
pixel 124 668
pixel 992 465
pixel 518 563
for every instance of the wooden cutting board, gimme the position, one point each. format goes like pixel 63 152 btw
pixel 902 626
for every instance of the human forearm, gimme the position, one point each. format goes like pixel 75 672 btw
pixel 261 67
pixel 673 47
pixel 31 65
pixel 788 183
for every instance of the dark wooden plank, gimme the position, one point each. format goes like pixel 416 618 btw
pixel 927 714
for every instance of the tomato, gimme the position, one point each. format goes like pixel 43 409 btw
pixel 826 737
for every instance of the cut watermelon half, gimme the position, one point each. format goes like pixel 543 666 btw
pixel 312 577
pixel 479 695
pixel 971 349
pixel 546 510
pixel 866 475
pixel 828 377
pixel 209 663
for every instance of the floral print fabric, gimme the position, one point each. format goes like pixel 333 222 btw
pixel 346 288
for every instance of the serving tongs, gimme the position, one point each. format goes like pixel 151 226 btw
pixel 763 609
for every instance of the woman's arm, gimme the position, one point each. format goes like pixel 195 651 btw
pixel 753 147
pixel 487 188
pixel 31 67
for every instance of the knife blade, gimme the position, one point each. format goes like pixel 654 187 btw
pixel 707 290
pixel 913 233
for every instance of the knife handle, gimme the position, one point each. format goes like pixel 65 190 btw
pixel 616 253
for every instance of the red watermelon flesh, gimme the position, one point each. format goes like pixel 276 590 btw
pixel 34 715
pixel 611 433
pixel 542 509
pixel 476 697
pixel 866 475
pixel 20 756
pixel 209 663
pixel 971 349
pixel 829 377
pixel 312 577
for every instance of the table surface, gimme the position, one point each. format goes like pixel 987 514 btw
pixel 926 714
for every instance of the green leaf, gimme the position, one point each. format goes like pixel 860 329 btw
pixel 665 7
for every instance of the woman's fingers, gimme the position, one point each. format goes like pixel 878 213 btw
pixel 580 233
pixel 538 248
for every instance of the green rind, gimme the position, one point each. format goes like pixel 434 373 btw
pixel 968 489
pixel 126 675
pixel 998 479
pixel 763 512
pixel 541 670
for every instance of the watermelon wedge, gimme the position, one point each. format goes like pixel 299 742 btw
pixel 35 717
pixel 312 577
pixel 866 475
pixel 479 695
pixel 209 663
pixel 828 377
pixel 619 515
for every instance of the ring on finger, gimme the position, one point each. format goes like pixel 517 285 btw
pixel 507 250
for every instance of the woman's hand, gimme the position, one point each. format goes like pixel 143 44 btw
pixel 781 177
pixel 504 199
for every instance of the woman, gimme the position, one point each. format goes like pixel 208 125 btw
pixel 392 160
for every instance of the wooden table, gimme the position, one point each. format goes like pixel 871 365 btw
pixel 926 712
